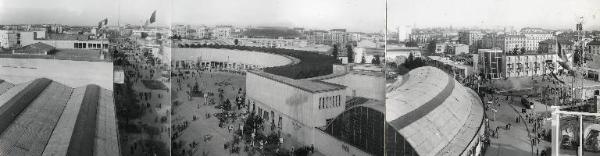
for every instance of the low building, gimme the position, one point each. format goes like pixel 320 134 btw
pixel 64 41
pixel 398 54
pixel 35 49
pixel 305 108
pixel 458 68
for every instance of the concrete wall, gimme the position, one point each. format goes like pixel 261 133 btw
pixel 328 145
pixel 69 44
pixel 299 109
pixel 289 103
pixel 330 108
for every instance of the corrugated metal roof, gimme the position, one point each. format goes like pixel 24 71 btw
pixel 29 133
pixel 59 120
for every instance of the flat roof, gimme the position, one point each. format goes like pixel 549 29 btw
pixel 313 86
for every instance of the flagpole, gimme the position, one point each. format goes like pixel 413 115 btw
pixel 119 17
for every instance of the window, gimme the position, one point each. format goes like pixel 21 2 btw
pixel 320 102
pixel 279 123
pixel 334 101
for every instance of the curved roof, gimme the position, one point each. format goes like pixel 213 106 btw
pixel 435 113
pixel 58 119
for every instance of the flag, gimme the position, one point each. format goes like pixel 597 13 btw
pixel 103 23
pixel 153 17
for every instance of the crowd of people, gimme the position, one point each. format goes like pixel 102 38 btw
pixel 139 66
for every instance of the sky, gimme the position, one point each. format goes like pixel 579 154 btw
pixel 551 14
pixel 84 12
pixel 354 15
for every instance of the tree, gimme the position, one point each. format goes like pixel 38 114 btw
pixel 411 44
pixel 252 122
pixel 363 60
pixel 335 51
pixel 350 53
pixel 227 105
pixel 144 35
pixel 431 46
pixel 196 88
pixel 376 60
pixel 409 62
pixel 523 50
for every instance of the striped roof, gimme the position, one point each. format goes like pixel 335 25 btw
pixel 44 117
pixel 434 113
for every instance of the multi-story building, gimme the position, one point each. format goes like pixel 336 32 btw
pixel 333 36
pixel 594 47
pixel 451 48
pixel 532 39
pixel 512 42
pixel 550 46
pixel 422 36
pixel 440 47
pixel 339 36
pixel 221 32
pixel 9 39
pixel 455 49
pixel 272 43
pixel 202 32
pixel 525 65
pixel 403 33
pixel 181 30
pixel 355 36
pixel 490 63
pixel 492 40
pixel 471 38
pixel 316 36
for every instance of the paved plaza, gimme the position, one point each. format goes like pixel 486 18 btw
pixel 198 107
